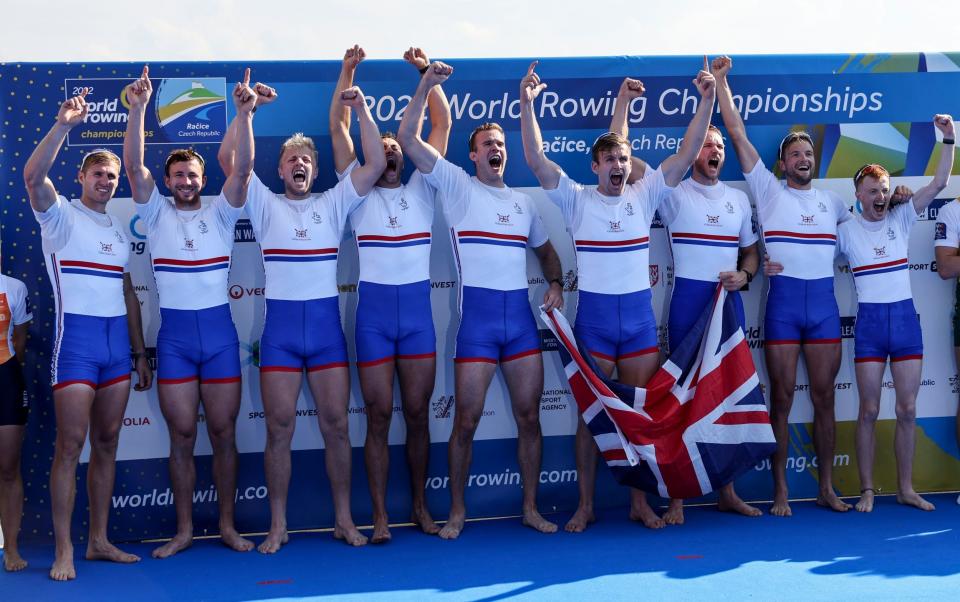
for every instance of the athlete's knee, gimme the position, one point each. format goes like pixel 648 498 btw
pixel 822 398
pixel 869 414
pixel 280 430
pixel 68 445
pixel 9 472
pixel 182 436
pixel 528 420
pixel 223 433
pixel 906 410
pixel 379 416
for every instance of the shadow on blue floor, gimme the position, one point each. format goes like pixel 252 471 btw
pixel 894 549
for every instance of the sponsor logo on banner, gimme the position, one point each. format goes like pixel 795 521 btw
pixel 940 231
pixel 570 281
pixel 350 287
pixel 443 407
pixel 754 340
pixel 840 386
pixel 186 111
pixel 136 421
pixel 554 399
pixel 955 384
pixel 238 291
pixel 654 274
pixel 243 231
pixel 443 284
pixel 847 325
pixel 136 228
pixel 548 342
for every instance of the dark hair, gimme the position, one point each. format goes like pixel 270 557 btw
pixel 483 127
pixel 182 154
pixel 790 139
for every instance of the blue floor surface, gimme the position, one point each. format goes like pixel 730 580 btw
pixel 894 553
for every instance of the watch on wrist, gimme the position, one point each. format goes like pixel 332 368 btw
pixel 558 281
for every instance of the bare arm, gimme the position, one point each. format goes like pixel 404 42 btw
pixel 437 104
pixel 749 262
pixel 141 181
pixel 245 100
pixel 746 153
pixel 923 197
pixel 20 340
pixel 227 150
pixel 676 166
pixel 343 152
pixel 552 273
pixel 39 187
pixel 374 161
pixel 948 262
pixel 546 171
pixel 422 154
pixel 630 89
pixel 135 330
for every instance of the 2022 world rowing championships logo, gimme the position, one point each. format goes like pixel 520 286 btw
pixel 192 110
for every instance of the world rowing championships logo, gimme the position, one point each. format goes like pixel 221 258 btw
pixel 192 110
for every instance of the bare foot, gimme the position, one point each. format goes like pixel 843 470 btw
pixel 532 519
pixel 647 516
pixel 381 531
pixel 911 498
pixel 674 513
pixel 422 519
pixel 104 550
pixel 179 543
pixel 738 506
pixel 579 521
pixel 12 562
pixel 454 526
pixel 830 500
pixel 233 540
pixel 780 506
pixel 276 539
pixel 62 569
pixel 865 503
pixel 350 535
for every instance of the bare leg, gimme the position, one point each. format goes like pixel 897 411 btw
pixel 823 363
pixel 782 369
pixel 471 382
pixel 280 391
pixel 869 382
pixel 730 502
pixel 417 377
pixel 906 381
pixel 637 371
pixel 11 495
pixel 179 404
pixel 376 383
pixel 331 394
pixel 72 407
pixel 106 418
pixel 586 455
pixel 524 378
pixel 221 404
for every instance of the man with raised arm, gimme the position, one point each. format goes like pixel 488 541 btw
pixel 799 227
pixel 198 357
pixel 610 226
pixel 97 325
pixel 394 323
pixel 299 234
pixel 492 226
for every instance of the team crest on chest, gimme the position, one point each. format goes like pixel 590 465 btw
pixel 518 208
pixel 503 219
pixel 202 227
pixel 628 209
pixel 404 205
pixel 188 244
pixel 299 233
pixel 615 226
pixel 393 222
pixel 316 217
pixel 713 220
pixel 106 248
pixel 822 207
pixel 880 251
pixel 891 235
pixel 729 207
pixel 807 220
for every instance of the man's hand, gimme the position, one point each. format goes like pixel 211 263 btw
pixel 553 299
pixel 244 98
pixel 144 374
pixel 352 97
pixel 770 267
pixel 353 57
pixel 705 82
pixel 733 281
pixel 437 73
pixel 416 57
pixel 265 94
pixel 944 123
pixel 138 93
pixel 901 194
pixel 721 66
pixel 631 88
pixel 73 110
pixel 530 85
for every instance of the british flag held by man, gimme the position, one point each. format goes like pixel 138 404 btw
pixel 699 424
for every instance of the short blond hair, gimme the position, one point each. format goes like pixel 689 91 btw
pixel 99 156
pixel 298 140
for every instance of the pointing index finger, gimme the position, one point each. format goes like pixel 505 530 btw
pixel 531 68
pixel 246 76
pixel 706 64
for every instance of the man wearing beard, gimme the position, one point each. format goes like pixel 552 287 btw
pixel 394 323
pixel 491 228
pixel 610 226
pixel 799 225
pixel 198 357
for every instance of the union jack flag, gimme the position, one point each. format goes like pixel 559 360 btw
pixel 699 424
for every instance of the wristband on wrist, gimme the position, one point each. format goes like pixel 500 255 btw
pixel 423 70
pixel 749 276
pixel 948 140
pixel 138 354
pixel 558 281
